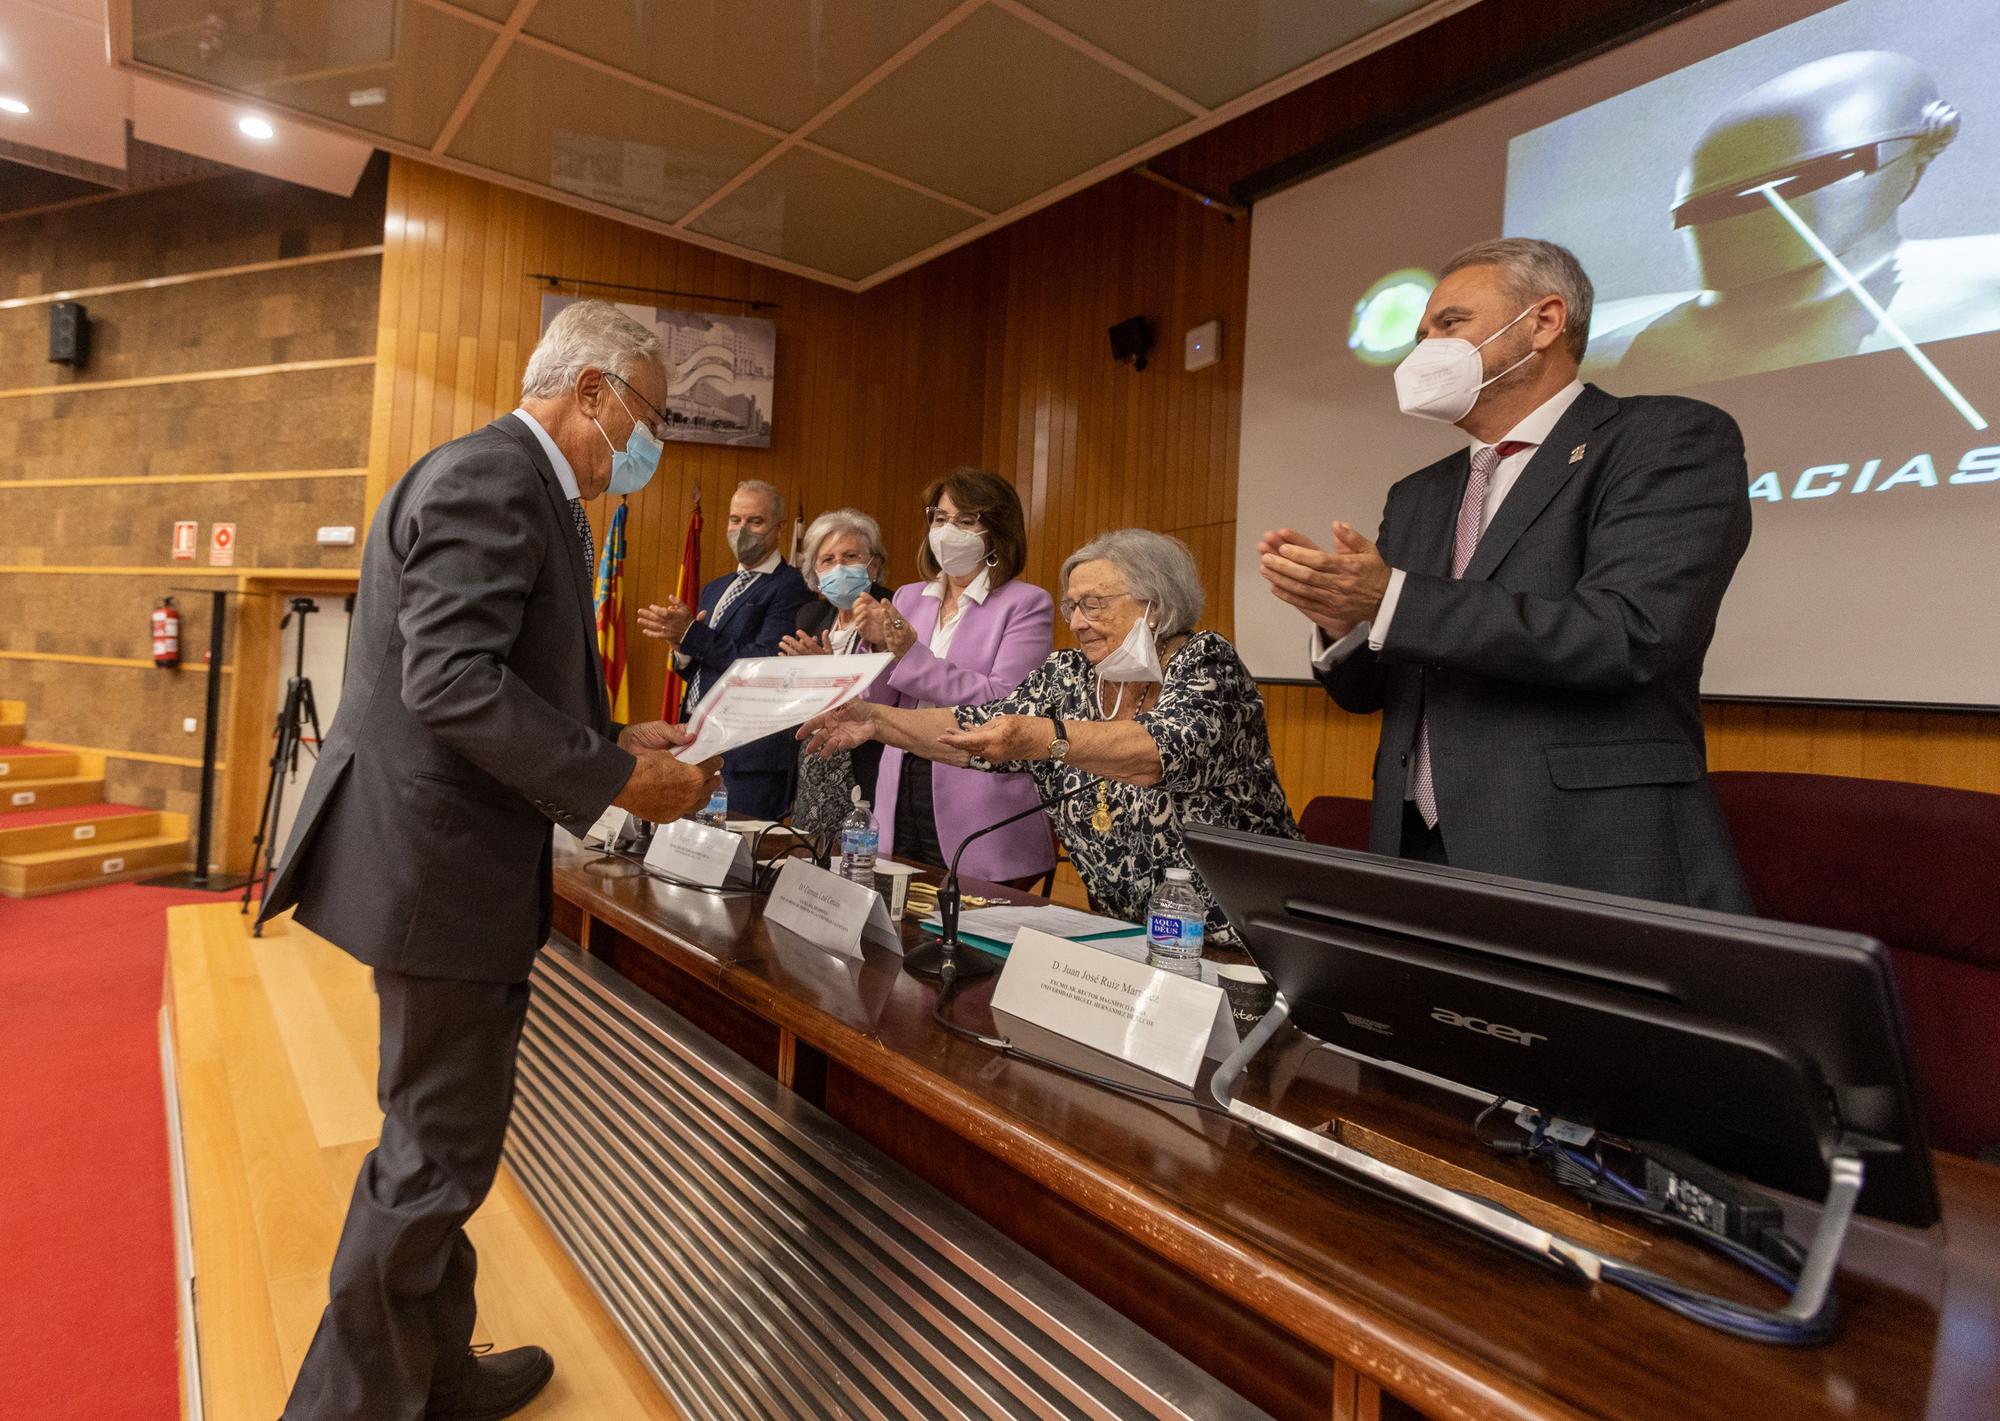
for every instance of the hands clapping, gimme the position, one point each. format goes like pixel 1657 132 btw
pixel 1337 589
pixel 668 623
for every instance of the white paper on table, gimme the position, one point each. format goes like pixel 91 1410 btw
pixel 763 695
pixel 1003 922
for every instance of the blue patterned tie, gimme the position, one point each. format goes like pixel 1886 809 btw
pixel 723 604
pixel 583 532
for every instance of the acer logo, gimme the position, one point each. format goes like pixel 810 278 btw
pixel 1487 1028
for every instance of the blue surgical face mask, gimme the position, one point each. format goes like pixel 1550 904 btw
pixel 632 467
pixel 841 585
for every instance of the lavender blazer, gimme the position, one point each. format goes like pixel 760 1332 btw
pixel 999 642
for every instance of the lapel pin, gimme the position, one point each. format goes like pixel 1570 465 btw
pixel 1576 454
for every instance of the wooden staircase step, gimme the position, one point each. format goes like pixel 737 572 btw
pixel 29 875
pixel 44 794
pixel 72 827
pixel 32 762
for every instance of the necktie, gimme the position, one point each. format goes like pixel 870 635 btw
pixel 728 599
pixel 1471 523
pixel 583 532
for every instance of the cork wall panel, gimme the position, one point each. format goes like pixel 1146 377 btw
pixel 313 419
pixel 311 312
pixel 72 705
pixel 131 525
pixel 231 220
pixel 58 614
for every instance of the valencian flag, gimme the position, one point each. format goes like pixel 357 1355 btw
pixel 610 595
pixel 687 587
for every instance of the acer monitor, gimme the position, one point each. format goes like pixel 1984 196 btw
pixel 1763 1048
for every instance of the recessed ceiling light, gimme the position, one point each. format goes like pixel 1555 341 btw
pixel 257 128
pixel 13 105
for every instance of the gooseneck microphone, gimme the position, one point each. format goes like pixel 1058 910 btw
pixel 942 958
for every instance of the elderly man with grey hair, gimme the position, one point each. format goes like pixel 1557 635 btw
pixel 1533 622
pixel 474 717
pixel 1162 720
pixel 747 612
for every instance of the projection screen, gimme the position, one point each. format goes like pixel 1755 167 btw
pixel 1790 209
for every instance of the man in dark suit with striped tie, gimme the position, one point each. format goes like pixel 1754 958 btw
pixel 1533 623
pixel 748 612
pixel 474 717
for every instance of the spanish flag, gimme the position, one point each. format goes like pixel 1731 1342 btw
pixel 610 596
pixel 687 587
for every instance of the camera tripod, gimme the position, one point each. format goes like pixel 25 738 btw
pixel 295 716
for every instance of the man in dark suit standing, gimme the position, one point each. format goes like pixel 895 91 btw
pixel 748 612
pixel 474 715
pixel 1533 623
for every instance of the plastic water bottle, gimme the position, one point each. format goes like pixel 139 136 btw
pixel 858 839
pixel 716 811
pixel 1176 925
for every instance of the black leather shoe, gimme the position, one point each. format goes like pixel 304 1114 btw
pixel 491 1385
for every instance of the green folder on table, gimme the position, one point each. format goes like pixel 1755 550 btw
pixel 994 929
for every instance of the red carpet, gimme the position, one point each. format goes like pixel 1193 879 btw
pixel 87 1322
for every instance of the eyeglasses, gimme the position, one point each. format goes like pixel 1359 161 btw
pixel 1093 608
pixel 657 425
pixel 970 522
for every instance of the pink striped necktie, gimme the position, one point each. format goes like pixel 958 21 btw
pixel 1471 517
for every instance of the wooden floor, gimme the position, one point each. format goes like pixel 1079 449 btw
pixel 276 1046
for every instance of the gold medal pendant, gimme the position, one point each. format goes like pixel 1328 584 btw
pixel 1101 820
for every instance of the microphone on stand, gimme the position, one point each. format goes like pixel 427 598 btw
pixel 941 959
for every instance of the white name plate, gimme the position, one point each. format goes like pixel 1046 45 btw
pixel 1151 1019
pixel 698 853
pixel 828 911
pixel 605 829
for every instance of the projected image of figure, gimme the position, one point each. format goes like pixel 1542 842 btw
pixel 1789 204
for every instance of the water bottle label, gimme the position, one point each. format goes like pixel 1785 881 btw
pixel 1164 927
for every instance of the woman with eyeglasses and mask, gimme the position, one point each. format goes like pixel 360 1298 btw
pixel 1158 724
pixel 840 559
pixel 967 634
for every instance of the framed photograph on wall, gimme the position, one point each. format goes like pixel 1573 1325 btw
pixel 721 371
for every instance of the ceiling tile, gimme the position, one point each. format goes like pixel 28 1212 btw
pixel 76 101
pixel 385 66
pixel 1212 53
pixel 1006 113
pixel 491 9
pixel 779 61
pixel 823 214
pixel 204 124
pixel 551 121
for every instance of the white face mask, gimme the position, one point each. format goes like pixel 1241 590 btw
pixel 957 551
pixel 1137 658
pixel 1440 379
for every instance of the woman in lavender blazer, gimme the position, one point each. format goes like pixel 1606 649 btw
pixel 967 635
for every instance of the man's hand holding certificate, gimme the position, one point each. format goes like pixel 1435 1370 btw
pixel 760 696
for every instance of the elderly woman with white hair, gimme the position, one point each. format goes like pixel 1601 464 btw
pixel 841 559
pixel 1165 720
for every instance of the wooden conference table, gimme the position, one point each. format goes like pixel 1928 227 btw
pixel 1302 1294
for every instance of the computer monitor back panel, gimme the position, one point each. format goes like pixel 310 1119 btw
pixel 1759 1047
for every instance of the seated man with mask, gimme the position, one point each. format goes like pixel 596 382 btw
pixel 747 612
pixel 1164 721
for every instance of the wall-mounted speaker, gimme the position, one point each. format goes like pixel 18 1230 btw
pixel 69 333
pixel 1132 341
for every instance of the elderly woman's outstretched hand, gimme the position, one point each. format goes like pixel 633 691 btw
pixel 1002 739
pixel 844 728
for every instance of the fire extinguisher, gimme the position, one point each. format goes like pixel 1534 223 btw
pixel 166 634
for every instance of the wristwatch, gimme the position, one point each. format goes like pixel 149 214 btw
pixel 1059 747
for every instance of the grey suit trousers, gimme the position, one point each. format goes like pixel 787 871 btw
pixel 400 1310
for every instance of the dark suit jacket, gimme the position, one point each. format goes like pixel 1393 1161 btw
pixel 766 613
pixel 1562 673
pixel 816 617
pixel 473 714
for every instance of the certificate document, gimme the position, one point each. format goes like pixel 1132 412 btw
pixel 762 695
